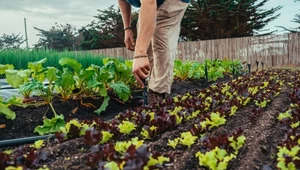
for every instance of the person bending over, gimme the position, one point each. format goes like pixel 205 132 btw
pixel 156 43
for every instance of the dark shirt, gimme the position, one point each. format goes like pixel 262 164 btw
pixel 137 3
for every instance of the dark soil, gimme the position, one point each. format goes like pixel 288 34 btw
pixel 30 117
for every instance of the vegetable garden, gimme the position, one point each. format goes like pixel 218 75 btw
pixel 218 117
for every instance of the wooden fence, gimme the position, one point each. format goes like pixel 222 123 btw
pixel 273 50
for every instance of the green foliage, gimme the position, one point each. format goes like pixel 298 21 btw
pixel 216 159
pixel 65 83
pixel 173 143
pixel 209 19
pixel 10 41
pixel 118 71
pixel 17 77
pixel 4 109
pixel 261 104
pixel 156 161
pixel 59 37
pixel 38 144
pixel 27 88
pixel 20 58
pixel 106 136
pixel 74 122
pixel 103 105
pixel 188 69
pixel 121 147
pixel 111 166
pixel 237 143
pixel 187 139
pixel 283 154
pixel 51 125
pixel 215 69
pixel 126 127
pixel 214 121
pixel 121 90
pixel 36 69
pixel 104 32
pixel 75 65
pixel 285 115
pixel 5 67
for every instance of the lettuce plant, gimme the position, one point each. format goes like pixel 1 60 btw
pixel 187 139
pixel 237 143
pixel 216 159
pixel 126 127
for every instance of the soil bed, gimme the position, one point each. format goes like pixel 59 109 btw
pixel 259 152
pixel 28 118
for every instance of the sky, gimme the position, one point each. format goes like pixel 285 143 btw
pixel 45 13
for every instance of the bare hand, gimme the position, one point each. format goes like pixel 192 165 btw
pixel 141 69
pixel 129 40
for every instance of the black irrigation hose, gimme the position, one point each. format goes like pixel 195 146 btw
pixel 7 88
pixel 22 141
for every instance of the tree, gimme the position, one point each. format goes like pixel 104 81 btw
pixel 106 31
pixel 297 19
pixel 59 37
pixel 214 19
pixel 11 41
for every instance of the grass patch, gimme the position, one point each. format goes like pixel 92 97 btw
pixel 21 58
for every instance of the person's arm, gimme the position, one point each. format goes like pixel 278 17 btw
pixel 147 23
pixel 126 12
pixel 126 16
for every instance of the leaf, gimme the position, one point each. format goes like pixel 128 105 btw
pixel 51 74
pixel 38 144
pixel 72 63
pixel 17 77
pixel 129 63
pixel 30 86
pixel 105 136
pixel 51 125
pixel 9 114
pixel 122 90
pixel 5 67
pixel 126 127
pixel 37 67
pixel 111 166
pixel 66 81
pixel 103 106
pixel 221 153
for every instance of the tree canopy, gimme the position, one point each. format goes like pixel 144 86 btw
pixel 204 19
pixel 10 41
pixel 106 31
pixel 59 37
pixel 214 19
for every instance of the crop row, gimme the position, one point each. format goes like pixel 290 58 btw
pixel 288 156
pixel 200 111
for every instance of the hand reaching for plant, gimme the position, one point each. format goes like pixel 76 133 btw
pixel 141 69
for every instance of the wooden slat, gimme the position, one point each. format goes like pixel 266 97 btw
pixel 273 50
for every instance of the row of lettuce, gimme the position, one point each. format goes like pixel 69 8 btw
pixel 288 155
pixel 205 109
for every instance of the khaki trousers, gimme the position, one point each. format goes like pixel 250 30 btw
pixel 162 49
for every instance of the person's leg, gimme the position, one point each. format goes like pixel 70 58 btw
pixel 164 44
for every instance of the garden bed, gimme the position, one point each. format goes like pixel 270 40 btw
pixel 245 119
pixel 28 118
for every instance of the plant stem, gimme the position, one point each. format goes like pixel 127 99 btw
pixel 55 114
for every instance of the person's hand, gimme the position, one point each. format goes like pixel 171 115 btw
pixel 129 40
pixel 141 69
